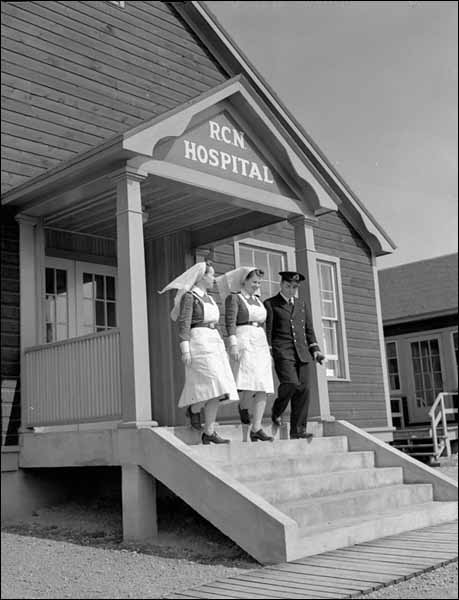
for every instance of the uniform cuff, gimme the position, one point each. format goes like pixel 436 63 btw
pixel 314 346
pixel 185 346
pixel 232 340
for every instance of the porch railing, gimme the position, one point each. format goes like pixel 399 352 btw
pixel 439 412
pixel 73 381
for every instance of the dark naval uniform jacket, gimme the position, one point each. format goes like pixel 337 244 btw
pixel 289 330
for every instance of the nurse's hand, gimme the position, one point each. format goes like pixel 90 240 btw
pixel 234 352
pixel 186 358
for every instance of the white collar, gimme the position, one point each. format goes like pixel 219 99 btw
pixel 287 299
pixel 246 295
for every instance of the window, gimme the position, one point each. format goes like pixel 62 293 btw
pixel 80 298
pixel 392 366
pixel 56 305
pixel 332 318
pixel 120 4
pixel 270 258
pixel 454 336
pixel 99 303
pixel 428 378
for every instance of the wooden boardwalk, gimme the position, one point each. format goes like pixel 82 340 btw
pixel 344 573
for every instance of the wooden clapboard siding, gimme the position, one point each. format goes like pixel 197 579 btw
pixel 10 327
pixel 76 73
pixel 361 400
pixel 165 259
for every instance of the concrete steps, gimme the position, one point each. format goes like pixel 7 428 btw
pixel 345 532
pixel 277 491
pixel 343 505
pixel 312 495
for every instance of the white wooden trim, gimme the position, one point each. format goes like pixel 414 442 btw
pixel 95 269
pixel 288 250
pixel 453 354
pixel 337 262
pixel 410 383
pixel 397 391
pixel 69 266
pixel 382 344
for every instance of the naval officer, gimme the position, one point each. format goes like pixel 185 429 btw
pixel 295 351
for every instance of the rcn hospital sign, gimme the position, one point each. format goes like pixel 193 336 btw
pixel 225 160
pixel 217 147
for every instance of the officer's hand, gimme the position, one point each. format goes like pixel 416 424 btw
pixel 319 357
pixel 186 358
pixel 234 352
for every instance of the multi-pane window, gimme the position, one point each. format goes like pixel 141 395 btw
pixel 455 347
pixel 99 303
pixel 331 318
pixel 269 261
pixel 427 370
pixel 392 366
pixel 56 305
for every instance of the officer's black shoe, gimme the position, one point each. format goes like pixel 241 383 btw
pixel 302 435
pixel 195 419
pixel 244 415
pixel 214 438
pixel 260 435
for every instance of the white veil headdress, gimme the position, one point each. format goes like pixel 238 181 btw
pixel 232 280
pixel 183 283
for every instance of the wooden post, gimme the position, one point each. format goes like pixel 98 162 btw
pixel 31 277
pixel 307 265
pixel 132 306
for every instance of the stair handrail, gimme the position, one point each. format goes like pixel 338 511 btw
pixel 435 418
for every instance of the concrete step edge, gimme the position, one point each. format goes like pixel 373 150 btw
pixel 294 457
pixel 308 530
pixel 286 480
pixel 353 494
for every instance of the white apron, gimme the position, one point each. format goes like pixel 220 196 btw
pixel 209 375
pixel 253 370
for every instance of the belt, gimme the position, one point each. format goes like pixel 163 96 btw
pixel 254 323
pixel 209 325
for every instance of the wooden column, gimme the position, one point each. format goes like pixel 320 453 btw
pixel 31 282
pixel 132 305
pixel 309 291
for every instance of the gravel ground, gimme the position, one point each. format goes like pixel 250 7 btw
pixel 76 551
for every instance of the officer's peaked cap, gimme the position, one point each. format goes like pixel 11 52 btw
pixel 291 276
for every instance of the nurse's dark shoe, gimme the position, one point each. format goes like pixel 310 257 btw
pixel 213 438
pixel 260 435
pixel 195 419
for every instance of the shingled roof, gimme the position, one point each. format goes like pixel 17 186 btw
pixel 422 289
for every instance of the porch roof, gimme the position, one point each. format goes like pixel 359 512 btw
pixel 80 193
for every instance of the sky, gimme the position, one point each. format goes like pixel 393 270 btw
pixel 375 86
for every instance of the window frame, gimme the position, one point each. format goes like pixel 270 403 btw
pixel 396 391
pixel 75 269
pixel 94 269
pixel 289 251
pixel 342 343
pixel 453 350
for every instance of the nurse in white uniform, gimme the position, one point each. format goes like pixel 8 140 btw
pixel 251 361
pixel 209 381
